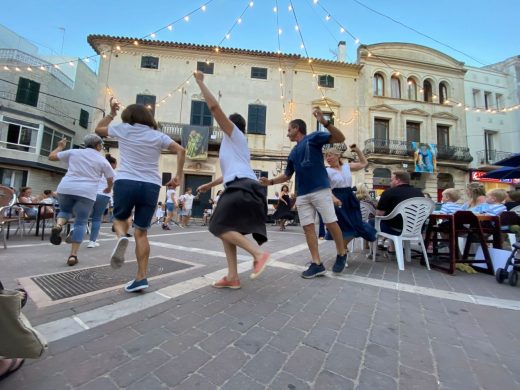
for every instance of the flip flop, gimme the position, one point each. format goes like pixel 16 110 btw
pixel 13 367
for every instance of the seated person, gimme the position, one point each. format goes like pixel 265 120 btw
pixel 400 190
pixel 494 203
pixel 512 200
pixel 25 196
pixel 476 195
pixel 450 197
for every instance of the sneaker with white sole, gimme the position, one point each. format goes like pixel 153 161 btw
pixel 92 244
pixel 118 254
pixel 136 285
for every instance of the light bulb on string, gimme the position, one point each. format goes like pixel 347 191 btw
pixel 86 59
pixel 296 27
pixel 251 3
pixel 341 30
pixel 71 63
pixel 302 46
pixel 239 20
pixel 56 66
pixel 289 8
pixel 29 69
pixel 118 48
pixel 186 18
pixel 327 18
pixel 17 69
pixel 280 31
pixel 170 27
pixel 356 41
pixel 41 67
pixel 152 35
pixel 228 36
pixel 6 68
pixel 203 8
pixel 315 1
pixel 275 9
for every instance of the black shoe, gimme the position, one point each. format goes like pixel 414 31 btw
pixel 313 271
pixel 56 234
pixel 128 235
pixel 339 265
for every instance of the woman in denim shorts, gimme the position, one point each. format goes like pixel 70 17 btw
pixel 138 181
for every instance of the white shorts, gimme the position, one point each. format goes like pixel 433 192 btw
pixel 320 201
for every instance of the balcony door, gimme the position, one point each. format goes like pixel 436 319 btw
pixel 489 139
pixel 413 132
pixel 200 114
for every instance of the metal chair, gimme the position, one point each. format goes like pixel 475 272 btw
pixel 7 200
pixel 414 212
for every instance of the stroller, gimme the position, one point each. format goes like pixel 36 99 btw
pixel 513 263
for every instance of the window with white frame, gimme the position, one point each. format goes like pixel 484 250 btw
pixel 428 91
pixel 18 135
pixel 488 102
pixel 499 101
pixel 443 92
pixel 379 85
pixel 412 89
pixel 476 98
pixel 50 140
pixel 395 87
pixel 13 178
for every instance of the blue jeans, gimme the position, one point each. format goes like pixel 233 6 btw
pixel 100 205
pixel 78 206
pixel 130 194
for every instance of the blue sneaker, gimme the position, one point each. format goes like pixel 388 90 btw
pixel 340 264
pixel 313 271
pixel 136 285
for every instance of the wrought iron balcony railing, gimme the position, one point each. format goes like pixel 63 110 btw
pixel 174 130
pixel 491 156
pixel 404 148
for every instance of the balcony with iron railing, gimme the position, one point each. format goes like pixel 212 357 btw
pixel 174 130
pixel 19 58
pixel 490 157
pixel 392 147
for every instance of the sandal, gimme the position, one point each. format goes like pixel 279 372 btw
pixel 56 234
pixel 13 367
pixel 72 260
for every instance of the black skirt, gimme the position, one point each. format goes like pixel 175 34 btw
pixel 283 210
pixel 242 207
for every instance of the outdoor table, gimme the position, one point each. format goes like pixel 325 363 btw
pixel 38 215
pixel 453 256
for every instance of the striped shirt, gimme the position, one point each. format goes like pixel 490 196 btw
pixel 450 208
pixel 489 208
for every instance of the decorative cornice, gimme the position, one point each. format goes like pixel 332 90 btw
pixel 445 115
pixel 383 108
pixel 415 111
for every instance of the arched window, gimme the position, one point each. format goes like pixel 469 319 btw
pixel 443 93
pixel 428 91
pixel 395 87
pixel 379 85
pixel 412 89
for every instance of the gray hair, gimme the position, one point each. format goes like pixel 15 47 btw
pixel 92 140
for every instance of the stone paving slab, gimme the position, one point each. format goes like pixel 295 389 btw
pixel 284 332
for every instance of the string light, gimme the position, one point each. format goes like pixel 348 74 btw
pixel 203 8
pixel 251 3
pixel 170 27
pixel 152 35
pixel 187 18
pixel 275 9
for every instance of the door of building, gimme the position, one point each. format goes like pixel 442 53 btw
pixel 194 181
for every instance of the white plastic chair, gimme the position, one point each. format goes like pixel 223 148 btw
pixel 414 212
pixel 367 210
pixel 7 200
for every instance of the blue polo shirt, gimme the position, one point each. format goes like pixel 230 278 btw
pixel 306 159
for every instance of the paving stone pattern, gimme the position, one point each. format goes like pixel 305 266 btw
pixel 283 332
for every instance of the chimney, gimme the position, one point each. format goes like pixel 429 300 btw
pixel 342 51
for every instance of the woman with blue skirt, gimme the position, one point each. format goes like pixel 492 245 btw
pixel 346 204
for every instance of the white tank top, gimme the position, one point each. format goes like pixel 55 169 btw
pixel 340 179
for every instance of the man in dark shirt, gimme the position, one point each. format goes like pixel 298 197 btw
pixel 400 190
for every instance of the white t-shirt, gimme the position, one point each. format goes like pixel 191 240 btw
pixel 339 179
pixel 101 187
pixel 169 196
pixel 140 148
pixel 235 160
pixel 86 166
pixel 187 200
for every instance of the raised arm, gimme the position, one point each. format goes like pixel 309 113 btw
pixel 223 121
pixel 336 136
pixel 181 154
pixel 205 187
pixel 62 143
pixel 363 162
pixel 102 126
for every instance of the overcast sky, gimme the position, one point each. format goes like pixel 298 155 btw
pixel 479 32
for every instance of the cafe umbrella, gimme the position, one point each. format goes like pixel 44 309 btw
pixel 511 161
pixel 507 172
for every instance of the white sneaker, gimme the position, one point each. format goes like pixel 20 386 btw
pixel 118 254
pixel 92 244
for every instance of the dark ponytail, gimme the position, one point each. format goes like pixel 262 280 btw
pixel 110 159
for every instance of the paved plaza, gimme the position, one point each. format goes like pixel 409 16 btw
pixel 371 327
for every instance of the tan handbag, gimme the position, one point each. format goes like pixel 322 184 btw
pixel 18 339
